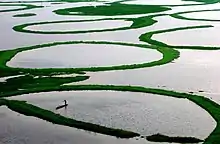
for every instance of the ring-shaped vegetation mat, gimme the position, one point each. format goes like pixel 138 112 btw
pixel 147 37
pixel 179 15
pixel 112 10
pixel 25 15
pixel 73 56
pixel 168 56
pixel 211 107
pixel 130 111
pixel 23 7
pixel 137 23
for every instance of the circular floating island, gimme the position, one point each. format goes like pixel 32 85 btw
pixel 73 26
pixel 84 55
pixel 20 129
pixel 144 113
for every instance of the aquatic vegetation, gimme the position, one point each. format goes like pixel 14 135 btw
pixel 28 82
pixel 112 10
pixel 147 37
pixel 31 110
pixel 168 56
pixel 42 80
pixel 163 138
pixel 137 23
pixel 25 15
pixel 211 107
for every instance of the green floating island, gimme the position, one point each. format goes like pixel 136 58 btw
pixel 30 110
pixel 163 138
pixel 112 10
pixel 137 23
pixel 28 82
pixel 21 107
pixel 168 56
pixel 147 37
pixel 25 15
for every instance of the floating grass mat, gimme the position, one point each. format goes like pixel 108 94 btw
pixel 25 15
pixel 23 7
pixel 137 23
pixel 164 138
pixel 179 15
pixel 31 110
pixel 168 56
pixel 112 9
pixel 210 106
pixel 27 82
pixel 147 37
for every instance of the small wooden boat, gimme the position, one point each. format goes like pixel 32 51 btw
pixel 62 106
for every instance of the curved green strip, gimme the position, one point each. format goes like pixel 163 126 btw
pixel 31 110
pixel 25 15
pixel 163 138
pixel 137 23
pixel 147 37
pixel 178 15
pixel 210 106
pixel 26 7
pixel 112 10
pixel 5 56
pixel 39 82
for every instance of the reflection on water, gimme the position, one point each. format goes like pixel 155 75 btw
pixel 83 55
pixel 143 113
